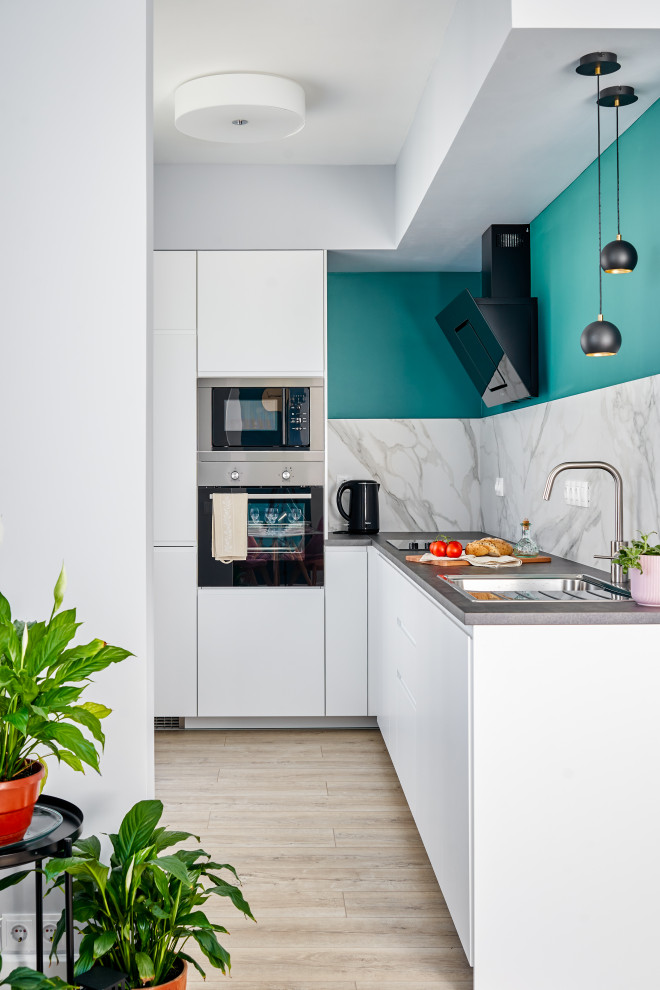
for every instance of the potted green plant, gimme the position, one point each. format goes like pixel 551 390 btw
pixel 41 681
pixel 641 560
pixel 138 914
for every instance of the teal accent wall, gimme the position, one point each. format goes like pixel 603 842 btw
pixel 387 357
pixel 382 335
pixel 565 267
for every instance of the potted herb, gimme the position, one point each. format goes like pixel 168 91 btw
pixel 138 914
pixel 40 712
pixel 641 560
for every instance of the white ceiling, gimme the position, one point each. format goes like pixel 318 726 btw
pixel 362 63
pixel 530 132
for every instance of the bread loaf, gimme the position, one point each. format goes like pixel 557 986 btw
pixel 489 546
pixel 482 548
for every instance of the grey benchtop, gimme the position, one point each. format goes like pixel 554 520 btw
pixel 476 613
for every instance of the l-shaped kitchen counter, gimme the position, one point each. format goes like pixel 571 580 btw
pixel 429 578
pixel 526 739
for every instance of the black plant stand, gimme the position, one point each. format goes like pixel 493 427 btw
pixel 57 843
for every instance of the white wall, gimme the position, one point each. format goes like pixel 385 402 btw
pixel 75 172
pixel 262 207
pixel 471 44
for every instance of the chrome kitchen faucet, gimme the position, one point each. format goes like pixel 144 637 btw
pixel 616 572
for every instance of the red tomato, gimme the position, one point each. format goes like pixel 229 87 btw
pixel 438 548
pixel 454 549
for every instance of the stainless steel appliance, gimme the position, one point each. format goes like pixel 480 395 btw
pixel 411 543
pixel 244 419
pixel 284 527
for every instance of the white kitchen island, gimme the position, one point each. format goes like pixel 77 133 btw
pixel 529 756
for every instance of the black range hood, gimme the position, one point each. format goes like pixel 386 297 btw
pixel 496 336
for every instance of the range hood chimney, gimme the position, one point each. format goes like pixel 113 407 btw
pixel 496 336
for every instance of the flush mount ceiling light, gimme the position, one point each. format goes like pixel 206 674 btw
pixel 619 257
pixel 600 338
pixel 239 108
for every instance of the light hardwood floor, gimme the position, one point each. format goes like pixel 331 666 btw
pixel 330 860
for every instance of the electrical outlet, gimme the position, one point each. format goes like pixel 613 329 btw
pixel 19 934
pixel 577 492
pixel 499 486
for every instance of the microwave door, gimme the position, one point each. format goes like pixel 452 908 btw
pixel 246 418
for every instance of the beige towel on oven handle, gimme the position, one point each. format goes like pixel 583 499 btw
pixel 229 526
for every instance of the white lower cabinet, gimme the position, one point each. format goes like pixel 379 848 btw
pixel 261 652
pixel 346 631
pixel 175 631
pixel 419 688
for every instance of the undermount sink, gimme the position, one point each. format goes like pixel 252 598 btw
pixel 518 591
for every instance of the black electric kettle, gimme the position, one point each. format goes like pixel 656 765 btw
pixel 362 512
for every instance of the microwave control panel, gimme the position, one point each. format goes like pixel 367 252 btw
pixel 297 417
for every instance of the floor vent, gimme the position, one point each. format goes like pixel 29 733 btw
pixel 168 722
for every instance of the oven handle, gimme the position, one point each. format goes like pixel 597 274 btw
pixel 273 497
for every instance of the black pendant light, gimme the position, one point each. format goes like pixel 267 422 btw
pixel 618 257
pixel 600 338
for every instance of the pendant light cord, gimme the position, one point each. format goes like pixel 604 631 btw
pixel 618 213
pixel 600 236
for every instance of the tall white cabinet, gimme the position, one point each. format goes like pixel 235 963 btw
pixel 175 482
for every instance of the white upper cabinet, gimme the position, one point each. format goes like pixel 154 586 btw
pixel 175 439
pixel 261 313
pixel 175 290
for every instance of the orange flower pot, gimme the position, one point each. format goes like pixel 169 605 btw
pixel 17 801
pixel 178 983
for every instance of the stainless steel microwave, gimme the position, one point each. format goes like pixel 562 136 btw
pixel 243 419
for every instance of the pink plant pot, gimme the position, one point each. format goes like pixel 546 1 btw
pixel 645 587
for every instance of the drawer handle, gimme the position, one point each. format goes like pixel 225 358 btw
pixel 405 687
pixel 405 632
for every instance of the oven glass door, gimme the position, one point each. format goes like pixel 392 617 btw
pixel 246 417
pixel 284 538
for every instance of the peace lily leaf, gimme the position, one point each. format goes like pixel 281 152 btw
pixel 95 709
pixel 60 588
pixel 13 878
pixel 170 864
pixel 104 943
pixel 145 967
pixel 5 610
pixel 90 847
pixel 184 955
pixel 166 839
pixel 85 959
pixel 138 826
pixel 70 759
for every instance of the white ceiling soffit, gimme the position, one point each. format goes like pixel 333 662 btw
pixel 362 63
pixel 530 132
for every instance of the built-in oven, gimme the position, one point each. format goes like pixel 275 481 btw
pixel 284 538
pixel 247 417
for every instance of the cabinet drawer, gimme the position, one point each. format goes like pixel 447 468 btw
pixel 260 651
pixel 406 622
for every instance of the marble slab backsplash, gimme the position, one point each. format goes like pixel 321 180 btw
pixel 439 474
pixel 427 470
pixel 619 424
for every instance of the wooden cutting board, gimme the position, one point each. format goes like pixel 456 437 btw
pixel 453 562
